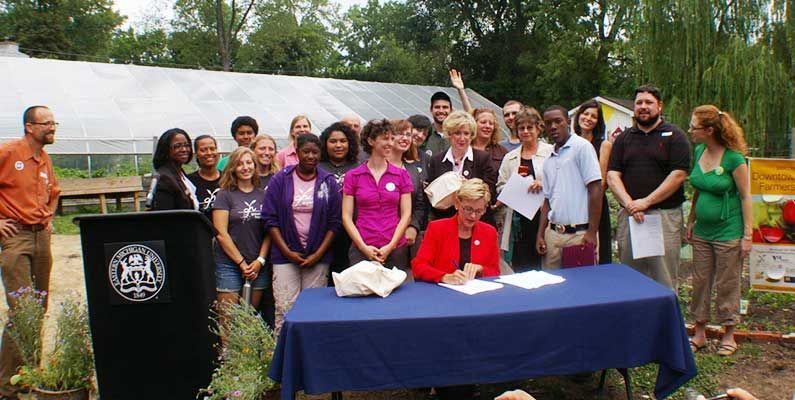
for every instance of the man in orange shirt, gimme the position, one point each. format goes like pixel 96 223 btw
pixel 28 198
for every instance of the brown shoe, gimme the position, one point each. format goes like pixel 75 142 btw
pixel 727 349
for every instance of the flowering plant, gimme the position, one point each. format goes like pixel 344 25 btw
pixel 70 365
pixel 245 353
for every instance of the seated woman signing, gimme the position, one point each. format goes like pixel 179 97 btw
pixel 462 247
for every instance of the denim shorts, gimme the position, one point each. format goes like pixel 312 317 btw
pixel 229 278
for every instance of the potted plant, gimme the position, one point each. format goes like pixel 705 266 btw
pixel 245 352
pixel 67 372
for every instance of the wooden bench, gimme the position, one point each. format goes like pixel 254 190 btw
pixel 117 187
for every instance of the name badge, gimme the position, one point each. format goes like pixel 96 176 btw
pixel 390 187
pixel 664 134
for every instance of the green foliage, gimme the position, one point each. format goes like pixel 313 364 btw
pixel 245 354
pixel 62 225
pixel 70 365
pixel 145 48
pixel 710 367
pixel 25 322
pixel 289 36
pixel 60 28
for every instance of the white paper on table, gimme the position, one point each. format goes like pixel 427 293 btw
pixel 474 286
pixel 531 279
pixel 647 238
pixel 515 195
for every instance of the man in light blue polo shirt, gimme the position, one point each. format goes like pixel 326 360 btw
pixel 572 191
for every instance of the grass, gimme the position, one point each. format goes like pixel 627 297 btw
pixel 62 224
pixel 710 366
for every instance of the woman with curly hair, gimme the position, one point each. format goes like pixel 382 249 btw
pixel 719 224
pixel 381 195
pixel 339 153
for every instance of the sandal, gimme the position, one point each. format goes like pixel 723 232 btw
pixel 726 349
pixel 695 347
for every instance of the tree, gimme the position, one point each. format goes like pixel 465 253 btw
pixel 228 30
pixel 144 48
pixel 67 29
pixel 290 36
pixel 708 52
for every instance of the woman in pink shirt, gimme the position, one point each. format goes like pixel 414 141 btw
pixel 287 156
pixel 381 195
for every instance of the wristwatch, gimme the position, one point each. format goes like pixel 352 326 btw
pixel 261 261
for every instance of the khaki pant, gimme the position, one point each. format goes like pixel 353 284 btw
pixel 288 281
pixel 663 269
pixel 25 261
pixel 716 264
pixel 555 244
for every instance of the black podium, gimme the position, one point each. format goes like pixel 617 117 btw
pixel 150 284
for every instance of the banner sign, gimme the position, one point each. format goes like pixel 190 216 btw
pixel 773 252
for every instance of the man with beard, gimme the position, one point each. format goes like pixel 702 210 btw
pixel 509 111
pixel 28 197
pixel 207 177
pixel 435 141
pixel 647 168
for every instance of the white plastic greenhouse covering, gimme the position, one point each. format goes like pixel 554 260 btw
pixel 118 109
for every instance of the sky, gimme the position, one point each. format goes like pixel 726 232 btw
pixel 135 9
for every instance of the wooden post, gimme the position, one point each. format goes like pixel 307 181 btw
pixel 103 206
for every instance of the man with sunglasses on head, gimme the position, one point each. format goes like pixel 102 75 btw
pixel 28 199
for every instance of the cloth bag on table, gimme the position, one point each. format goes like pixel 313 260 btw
pixel 441 192
pixel 366 278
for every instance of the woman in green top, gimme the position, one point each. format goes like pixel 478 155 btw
pixel 719 225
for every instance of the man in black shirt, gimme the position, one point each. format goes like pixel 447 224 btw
pixel 648 165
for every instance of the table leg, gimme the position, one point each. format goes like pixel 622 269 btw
pixel 627 381
pixel 336 396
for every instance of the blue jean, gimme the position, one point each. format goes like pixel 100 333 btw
pixel 229 278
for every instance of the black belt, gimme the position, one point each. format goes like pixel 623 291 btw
pixel 34 227
pixel 568 228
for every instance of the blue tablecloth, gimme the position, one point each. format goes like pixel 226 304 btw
pixel 425 335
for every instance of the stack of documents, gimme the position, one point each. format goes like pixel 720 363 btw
pixel 531 279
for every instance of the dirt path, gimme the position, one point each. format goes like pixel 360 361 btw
pixel 66 279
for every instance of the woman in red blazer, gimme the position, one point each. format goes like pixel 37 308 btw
pixel 457 249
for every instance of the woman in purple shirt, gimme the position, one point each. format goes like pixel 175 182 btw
pixel 381 195
pixel 302 214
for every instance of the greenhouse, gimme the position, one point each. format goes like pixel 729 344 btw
pixel 111 114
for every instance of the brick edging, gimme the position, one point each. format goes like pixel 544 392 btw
pixel 715 332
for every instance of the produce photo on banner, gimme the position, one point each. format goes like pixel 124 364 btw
pixel 772 258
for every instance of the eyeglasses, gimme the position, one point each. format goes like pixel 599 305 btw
pixel 177 146
pixel 473 211
pixel 402 134
pixel 49 124
pixel 695 128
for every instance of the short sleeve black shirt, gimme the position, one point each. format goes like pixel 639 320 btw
pixel 646 159
pixel 205 192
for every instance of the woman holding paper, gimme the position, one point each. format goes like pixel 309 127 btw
pixel 462 247
pixel 720 222
pixel 462 159
pixel 519 233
